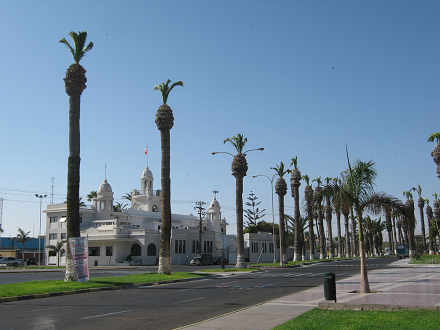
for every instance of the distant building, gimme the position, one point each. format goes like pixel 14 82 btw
pixel 133 235
pixel 10 248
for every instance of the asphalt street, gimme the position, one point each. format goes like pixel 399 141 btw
pixel 172 305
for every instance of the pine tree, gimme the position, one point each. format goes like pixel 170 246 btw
pixel 253 213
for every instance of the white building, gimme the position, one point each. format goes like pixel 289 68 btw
pixel 133 234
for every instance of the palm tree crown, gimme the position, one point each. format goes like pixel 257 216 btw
pixel 79 41
pixel 165 89
pixel 279 169
pixel 237 141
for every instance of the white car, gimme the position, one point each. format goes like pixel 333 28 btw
pixel 11 261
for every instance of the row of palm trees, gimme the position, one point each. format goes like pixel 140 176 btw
pixel 352 193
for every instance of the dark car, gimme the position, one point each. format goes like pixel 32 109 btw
pixel 31 261
pixel 201 259
pixel 218 261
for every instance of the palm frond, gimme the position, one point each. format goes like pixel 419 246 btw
pixel 165 89
pixel 237 141
pixel 434 137
pixel 79 40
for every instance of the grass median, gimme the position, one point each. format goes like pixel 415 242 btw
pixel 318 318
pixel 39 287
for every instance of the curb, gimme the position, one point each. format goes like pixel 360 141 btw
pixel 373 307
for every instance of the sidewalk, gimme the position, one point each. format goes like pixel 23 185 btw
pixel 404 287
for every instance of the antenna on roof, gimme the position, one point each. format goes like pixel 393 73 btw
pixel 215 193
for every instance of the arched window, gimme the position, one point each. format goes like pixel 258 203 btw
pixel 151 250
pixel 136 250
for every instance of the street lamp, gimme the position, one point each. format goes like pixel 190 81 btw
pixel 273 216
pixel 39 232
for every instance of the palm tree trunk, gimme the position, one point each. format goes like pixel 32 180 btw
pixel 422 223
pixel 347 236
pixel 365 286
pixel 328 218
pixel 165 234
pixel 239 207
pixel 283 258
pixel 322 253
pixel 73 177
pixel 338 224
pixel 297 253
pixel 394 234
pixel 353 234
pixel 311 232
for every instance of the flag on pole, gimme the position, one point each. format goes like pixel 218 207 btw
pixel 146 150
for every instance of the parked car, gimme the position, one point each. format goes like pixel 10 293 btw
pixel 31 261
pixel 218 261
pixel 11 261
pixel 201 259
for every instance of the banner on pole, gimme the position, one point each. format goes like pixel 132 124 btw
pixel 79 249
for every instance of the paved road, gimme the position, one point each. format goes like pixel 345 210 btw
pixel 172 305
pixel 19 275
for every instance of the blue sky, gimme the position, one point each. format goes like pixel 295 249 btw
pixel 299 78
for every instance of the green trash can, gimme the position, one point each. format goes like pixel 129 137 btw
pixel 330 286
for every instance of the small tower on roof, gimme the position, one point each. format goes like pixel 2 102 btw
pixel 103 202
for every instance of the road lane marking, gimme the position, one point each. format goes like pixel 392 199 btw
pixel 101 315
pixel 184 301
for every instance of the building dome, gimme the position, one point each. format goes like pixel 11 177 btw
pixel 104 187
pixel 214 203
pixel 147 174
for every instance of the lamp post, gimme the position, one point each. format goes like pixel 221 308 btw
pixel 273 215
pixel 39 232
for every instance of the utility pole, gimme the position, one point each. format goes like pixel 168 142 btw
pixel 200 210
pixel 39 232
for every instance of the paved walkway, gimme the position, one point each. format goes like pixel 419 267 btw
pixel 401 287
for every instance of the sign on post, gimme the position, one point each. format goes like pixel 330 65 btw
pixel 79 249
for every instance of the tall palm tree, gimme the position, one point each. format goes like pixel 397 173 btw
pixel 302 226
pixel 421 205
pixel 328 192
pixel 410 220
pixel 436 220
pixel 337 204
pixel 430 217
pixel 22 238
pixel 239 169
pixel 58 249
pixel 367 225
pixel 354 238
pixel 318 200
pixel 360 192
pixel 436 152
pixel 295 182
pixel 75 83
pixel 164 122
pixel 308 195
pixel 378 227
pixel 281 191
pixel 345 209
pixel 389 228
